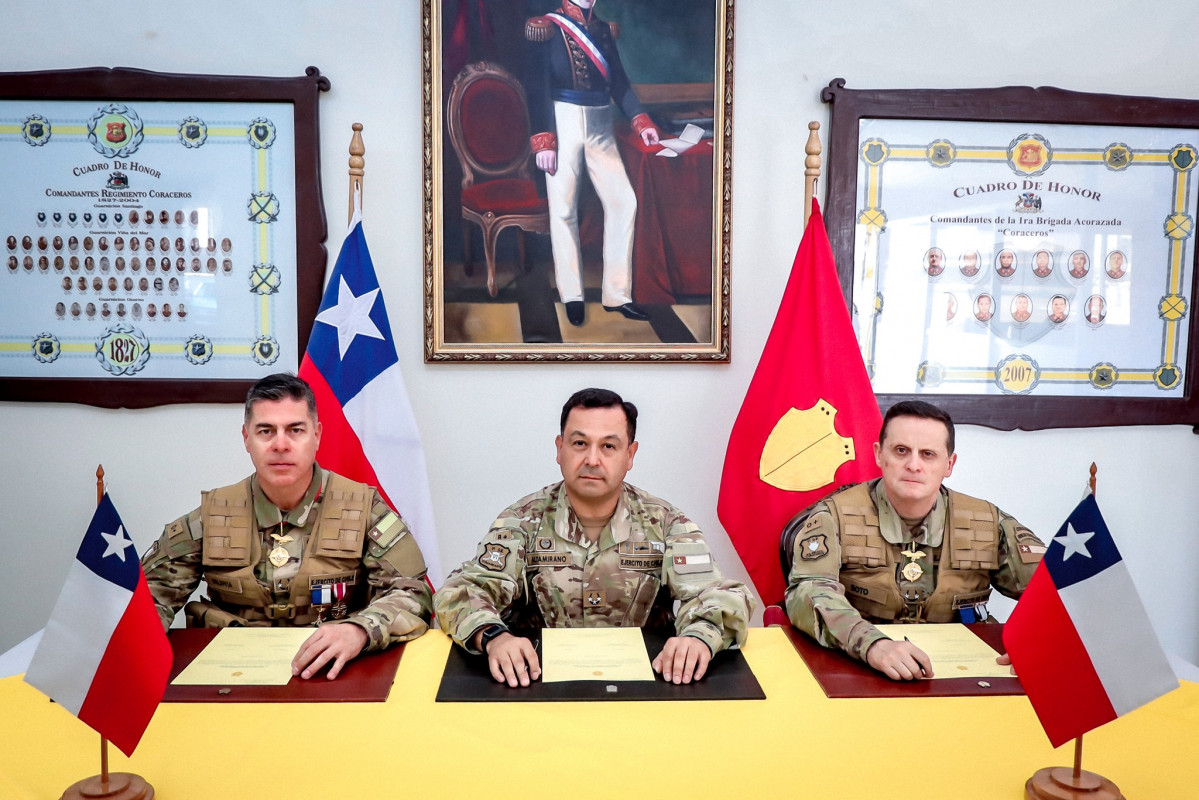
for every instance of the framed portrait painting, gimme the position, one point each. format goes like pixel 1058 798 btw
pixel 1023 257
pixel 577 165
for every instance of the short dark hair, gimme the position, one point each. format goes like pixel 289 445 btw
pixel 280 386
pixel 919 408
pixel 600 398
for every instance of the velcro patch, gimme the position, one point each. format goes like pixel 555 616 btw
pixel 1030 553
pixel 858 590
pixel 547 559
pixel 695 562
pixel 545 543
pixel 594 598
pixel 502 535
pixel 350 577
pixel 386 531
pixel 813 547
pixel 971 598
pixel 651 561
pixel 223 583
pixel 494 557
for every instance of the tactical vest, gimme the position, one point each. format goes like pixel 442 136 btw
pixel 232 548
pixel 969 552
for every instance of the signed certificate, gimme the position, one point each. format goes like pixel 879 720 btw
pixel 954 650
pixel 594 654
pixel 245 657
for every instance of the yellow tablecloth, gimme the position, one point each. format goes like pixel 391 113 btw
pixel 796 743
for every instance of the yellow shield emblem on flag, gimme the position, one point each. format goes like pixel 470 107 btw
pixel 804 450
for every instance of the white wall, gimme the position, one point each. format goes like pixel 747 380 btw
pixel 489 430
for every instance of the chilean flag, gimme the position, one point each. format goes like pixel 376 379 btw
pixel 1079 638
pixel 104 656
pixel 369 430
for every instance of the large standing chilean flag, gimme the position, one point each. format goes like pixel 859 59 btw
pixel 104 656
pixel 1079 638
pixel 370 432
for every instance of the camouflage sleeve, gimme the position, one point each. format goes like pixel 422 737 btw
pixel 481 590
pixel 815 597
pixel 172 565
pixel 401 603
pixel 1020 552
pixel 713 610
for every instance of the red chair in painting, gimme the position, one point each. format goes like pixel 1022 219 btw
pixel 488 121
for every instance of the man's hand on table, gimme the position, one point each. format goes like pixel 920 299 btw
pixel 335 644
pixel 899 661
pixel 511 659
pixel 683 659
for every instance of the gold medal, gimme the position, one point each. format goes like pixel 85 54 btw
pixel 912 570
pixel 279 556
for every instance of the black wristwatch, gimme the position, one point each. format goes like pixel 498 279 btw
pixel 489 633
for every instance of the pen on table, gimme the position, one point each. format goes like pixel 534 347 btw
pixel 922 672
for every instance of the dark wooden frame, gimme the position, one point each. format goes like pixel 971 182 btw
pixel 717 349
pixel 1006 104
pixel 122 83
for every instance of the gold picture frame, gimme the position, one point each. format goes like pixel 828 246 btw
pixel 477 60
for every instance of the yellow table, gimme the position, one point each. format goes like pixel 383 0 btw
pixel 797 743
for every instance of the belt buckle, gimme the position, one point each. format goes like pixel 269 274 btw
pixel 280 611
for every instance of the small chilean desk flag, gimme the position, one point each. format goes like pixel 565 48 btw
pixel 1079 638
pixel 104 655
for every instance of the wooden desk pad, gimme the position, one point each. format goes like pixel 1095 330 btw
pixel 366 679
pixel 842 676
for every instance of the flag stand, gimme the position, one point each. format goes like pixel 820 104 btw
pixel 116 785
pixel 1060 783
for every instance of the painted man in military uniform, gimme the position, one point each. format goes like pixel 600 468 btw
pixel 575 75
pixel 593 551
pixel 294 545
pixel 903 548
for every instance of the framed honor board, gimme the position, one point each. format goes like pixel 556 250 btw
pixel 162 235
pixel 1023 257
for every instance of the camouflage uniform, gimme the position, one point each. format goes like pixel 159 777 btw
pixel 536 551
pixel 382 584
pixel 985 547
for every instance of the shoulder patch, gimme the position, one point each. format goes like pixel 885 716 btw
pixel 689 557
pixel 1023 534
pixel 387 531
pixel 813 547
pixel 1030 553
pixel 494 557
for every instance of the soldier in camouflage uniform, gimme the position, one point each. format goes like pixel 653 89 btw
pixel 593 551
pixel 903 548
pixel 294 545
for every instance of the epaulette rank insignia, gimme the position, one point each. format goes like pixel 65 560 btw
pixel 539 29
